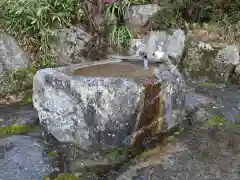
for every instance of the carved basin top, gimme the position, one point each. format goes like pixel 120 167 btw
pixel 125 69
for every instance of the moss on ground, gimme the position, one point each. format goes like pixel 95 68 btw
pixel 218 120
pixel 15 129
pixel 115 155
pixel 53 153
pixel 26 100
pixel 208 85
pixel 67 176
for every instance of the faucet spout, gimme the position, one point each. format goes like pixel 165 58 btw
pixel 145 63
pixel 145 60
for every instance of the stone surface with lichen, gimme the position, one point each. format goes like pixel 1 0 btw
pixel 98 112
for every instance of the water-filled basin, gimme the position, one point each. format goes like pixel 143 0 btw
pixel 122 69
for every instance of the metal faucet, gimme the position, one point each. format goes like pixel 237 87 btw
pixel 143 55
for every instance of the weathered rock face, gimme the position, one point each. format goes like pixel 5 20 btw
pixel 2 71
pixel 11 58
pixel 138 18
pixel 197 154
pixel 97 112
pixel 158 43
pixel 23 157
pixel 211 60
pixel 70 44
pixel 138 15
pixel 11 55
pixel 175 45
pixel 237 70
pixel 196 105
pixel 236 75
pixel 226 102
pixel 16 114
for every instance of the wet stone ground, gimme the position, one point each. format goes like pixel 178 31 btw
pixel 197 154
pixel 227 101
pixel 24 156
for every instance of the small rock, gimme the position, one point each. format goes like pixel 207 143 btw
pixel 226 104
pixel 176 44
pixel 12 56
pixel 138 15
pixel 237 70
pixel 137 46
pixel 2 72
pixel 155 40
pixel 195 100
pixel 70 44
pixel 226 61
pixel 18 114
pixel 23 158
pixel 229 55
pixel 201 116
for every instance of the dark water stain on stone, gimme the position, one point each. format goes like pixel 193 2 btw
pixel 149 111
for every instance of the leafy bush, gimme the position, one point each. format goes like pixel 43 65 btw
pixel 36 22
pixel 119 34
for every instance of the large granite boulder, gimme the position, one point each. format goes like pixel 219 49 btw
pixel 97 111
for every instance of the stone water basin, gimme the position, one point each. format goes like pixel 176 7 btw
pixel 110 103
pixel 125 69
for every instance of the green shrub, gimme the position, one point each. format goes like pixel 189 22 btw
pixel 119 34
pixel 36 22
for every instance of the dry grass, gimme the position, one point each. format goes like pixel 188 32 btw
pixel 229 32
